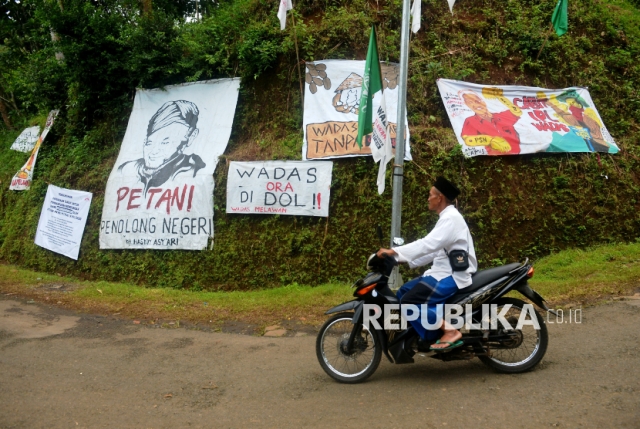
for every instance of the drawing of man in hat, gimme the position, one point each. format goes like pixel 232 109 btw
pixel 170 131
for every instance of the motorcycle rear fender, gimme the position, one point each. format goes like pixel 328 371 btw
pixel 345 306
pixel 533 296
pixel 511 284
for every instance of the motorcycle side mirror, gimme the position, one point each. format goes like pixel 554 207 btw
pixel 398 241
pixel 379 232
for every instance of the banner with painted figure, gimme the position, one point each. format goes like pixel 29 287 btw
pixel 27 139
pixel 300 188
pixel 331 106
pixel 62 220
pixel 160 191
pixel 512 120
pixel 22 180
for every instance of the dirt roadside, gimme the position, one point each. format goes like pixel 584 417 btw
pixel 62 369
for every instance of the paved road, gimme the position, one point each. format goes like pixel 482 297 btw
pixel 65 370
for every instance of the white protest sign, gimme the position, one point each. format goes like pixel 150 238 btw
pixel 279 187
pixel 160 191
pixel 27 139
pixel 62 221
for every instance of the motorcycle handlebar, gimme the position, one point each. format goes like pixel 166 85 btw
pixel 384 264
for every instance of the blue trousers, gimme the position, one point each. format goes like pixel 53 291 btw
pixel 426 290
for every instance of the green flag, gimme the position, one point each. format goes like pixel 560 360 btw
pixel 560 17
pixel 371 83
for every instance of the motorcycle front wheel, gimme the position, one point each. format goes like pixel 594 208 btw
pixel 526 346
pixel 341 365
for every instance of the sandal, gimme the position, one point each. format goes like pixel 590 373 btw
pixel 452 345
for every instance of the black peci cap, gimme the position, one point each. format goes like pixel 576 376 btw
pixel 446 188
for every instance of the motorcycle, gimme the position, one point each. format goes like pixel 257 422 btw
pixel 350 351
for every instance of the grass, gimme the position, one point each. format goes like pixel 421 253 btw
pixel 584 276
pixel 302 304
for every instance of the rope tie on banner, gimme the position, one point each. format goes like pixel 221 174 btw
pixel 398 166
pixel 601 168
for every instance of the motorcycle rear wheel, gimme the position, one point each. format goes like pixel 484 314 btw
pixel 528 347
pixel 346 367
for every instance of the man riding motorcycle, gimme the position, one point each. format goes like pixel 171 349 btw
pixel 449 247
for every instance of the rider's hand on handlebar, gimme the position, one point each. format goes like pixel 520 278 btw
pixel 385 252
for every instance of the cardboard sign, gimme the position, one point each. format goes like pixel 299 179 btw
pixel 331 106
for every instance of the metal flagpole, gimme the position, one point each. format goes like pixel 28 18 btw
pixel 398 166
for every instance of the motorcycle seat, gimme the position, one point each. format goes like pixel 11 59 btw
pixel 484 277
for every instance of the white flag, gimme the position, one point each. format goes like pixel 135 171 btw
pixel 285 5
pixel 451 2
pixel 416 12
pixel 381 149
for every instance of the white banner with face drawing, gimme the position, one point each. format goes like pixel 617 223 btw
pixel 160 191
pixel 331 106
pixel 279 187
